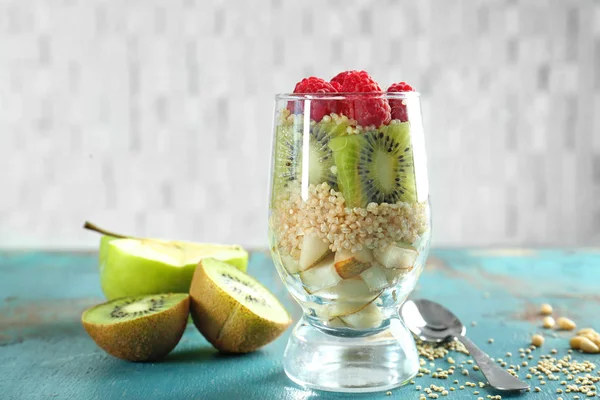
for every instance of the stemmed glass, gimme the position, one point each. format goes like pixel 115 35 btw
pixel 349 231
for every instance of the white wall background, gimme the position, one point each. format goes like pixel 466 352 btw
pixel 154 117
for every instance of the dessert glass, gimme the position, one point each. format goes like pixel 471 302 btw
pixel 349 231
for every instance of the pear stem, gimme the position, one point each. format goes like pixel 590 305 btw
pixel 88 225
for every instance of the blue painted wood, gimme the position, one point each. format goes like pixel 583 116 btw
pixel 45 353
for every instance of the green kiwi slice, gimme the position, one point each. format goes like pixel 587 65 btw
pixel 376 166
pixel 138 328
pixel 288 155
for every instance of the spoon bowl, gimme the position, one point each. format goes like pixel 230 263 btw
pixel 432 322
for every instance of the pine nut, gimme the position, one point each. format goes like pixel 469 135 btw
pixel 587 346
pixel 548 322
pixel 583 331
pixel 575 342
pixel 537 340
pixel 566 324
pixel 546 309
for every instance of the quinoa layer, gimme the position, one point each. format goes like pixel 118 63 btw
pixel 325 213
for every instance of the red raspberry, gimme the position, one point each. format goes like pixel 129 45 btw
pixel 365 110
pixel 318 108
pixel 398 108
pixel 341 77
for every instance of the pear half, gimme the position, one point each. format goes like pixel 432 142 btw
pixel 233 311
pixel 134 267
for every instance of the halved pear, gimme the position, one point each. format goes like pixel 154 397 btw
pixel 398 255
pixel 134 267
pixel 350 264
pixel 320 276
pixel 375 278
pixel 314 249
pixel 368 317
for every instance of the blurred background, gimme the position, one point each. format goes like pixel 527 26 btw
pixel 154 117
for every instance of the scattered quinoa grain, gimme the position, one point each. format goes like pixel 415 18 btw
pixel 490 340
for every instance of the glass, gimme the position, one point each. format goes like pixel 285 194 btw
pixel 349 231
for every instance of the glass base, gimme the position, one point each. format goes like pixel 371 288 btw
pixel 322 361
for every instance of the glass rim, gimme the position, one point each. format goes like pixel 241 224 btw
pixel 346 95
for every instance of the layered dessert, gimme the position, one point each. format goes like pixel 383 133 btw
pixel 349 222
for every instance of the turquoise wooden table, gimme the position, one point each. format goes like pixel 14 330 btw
pixel 46 354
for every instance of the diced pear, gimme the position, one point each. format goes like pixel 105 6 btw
pixel 336 323
pixel 368 317
pixel 320 276
pixel 399 256
pixel 339 309
pixel 375 278
pixel 349 296
pixel 289 263
pixel 350 264
pixel 394 274
pixel 353 289
pixel 313 250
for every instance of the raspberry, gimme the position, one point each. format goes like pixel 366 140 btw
pixel 366 111
pixel 398 108
pixel 318 108
pixel 339 78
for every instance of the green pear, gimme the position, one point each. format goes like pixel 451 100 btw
pixel 139 266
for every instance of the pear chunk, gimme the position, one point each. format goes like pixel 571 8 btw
pixel 399 256
pixel 350 264
pixel 314 250
pixel 289 263
pixel 375 278
pixel 367 317
pixel 353 289
pixel 320 276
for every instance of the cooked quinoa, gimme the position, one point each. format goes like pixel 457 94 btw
pixel 325 213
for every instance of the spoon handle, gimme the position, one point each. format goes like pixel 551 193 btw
pixel 496 376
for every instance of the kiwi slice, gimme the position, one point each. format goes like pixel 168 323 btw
pixel 289 156
pixel 288 143
pixel 233 311
pixel 376 166
pixel 138 328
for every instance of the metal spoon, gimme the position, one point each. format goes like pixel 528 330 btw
pixel 432 322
